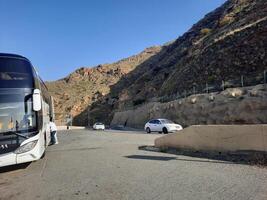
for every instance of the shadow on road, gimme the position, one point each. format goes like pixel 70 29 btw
pixel 142 157
pixel 14 167
pixel 164 158
pixel 242 157
pixel 205 161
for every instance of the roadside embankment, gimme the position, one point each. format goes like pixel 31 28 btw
pixel 247 105
pixel 222 138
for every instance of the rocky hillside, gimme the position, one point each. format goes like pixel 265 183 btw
pixel 86 85
pixel 228 42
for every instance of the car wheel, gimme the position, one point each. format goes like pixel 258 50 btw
pixel 165 130
pixel 148 130
pixel 160 132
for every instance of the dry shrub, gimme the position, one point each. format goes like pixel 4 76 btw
pixel 205 31
pixel 226 20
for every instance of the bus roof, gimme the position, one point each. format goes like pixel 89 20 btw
pixel 10 55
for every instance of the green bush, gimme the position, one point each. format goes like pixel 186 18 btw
pixel 211 78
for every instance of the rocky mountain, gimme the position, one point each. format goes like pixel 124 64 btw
pixel 86 85
pixel 228 42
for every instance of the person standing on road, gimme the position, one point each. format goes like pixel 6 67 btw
pixel 53 131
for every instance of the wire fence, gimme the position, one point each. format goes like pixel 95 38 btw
pixel 218 85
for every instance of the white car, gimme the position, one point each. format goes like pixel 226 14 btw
pixel 162 125
pixel 99 126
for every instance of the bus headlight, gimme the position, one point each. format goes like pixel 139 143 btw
pixel 26 147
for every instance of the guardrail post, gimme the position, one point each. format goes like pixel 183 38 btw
pixel 242 81
pixel 207 87
pixel 264 76
pixel 222 85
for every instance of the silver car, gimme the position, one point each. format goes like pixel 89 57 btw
pixel 99 126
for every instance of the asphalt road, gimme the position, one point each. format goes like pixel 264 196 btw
pixel 109 165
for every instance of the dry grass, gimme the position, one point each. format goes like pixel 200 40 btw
pixel 205 31
pixel 226 20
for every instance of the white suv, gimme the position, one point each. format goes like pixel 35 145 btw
pixel 162 125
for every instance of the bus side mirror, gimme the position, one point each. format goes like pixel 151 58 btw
pixel 36 100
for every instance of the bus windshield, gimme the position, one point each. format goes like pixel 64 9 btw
pixel 16 113
pixel 15 73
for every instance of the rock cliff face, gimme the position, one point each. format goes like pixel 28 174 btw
pixel 228 42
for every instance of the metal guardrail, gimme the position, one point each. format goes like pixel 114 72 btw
pixel 219 85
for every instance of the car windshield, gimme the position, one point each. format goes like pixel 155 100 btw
pixel 16 113
pixel 166 121
pixel 99 124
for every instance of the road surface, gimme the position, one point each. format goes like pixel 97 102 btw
pixel 108 165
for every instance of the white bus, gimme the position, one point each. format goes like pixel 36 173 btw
pixel 25 109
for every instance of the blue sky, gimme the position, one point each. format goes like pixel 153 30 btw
pixel 59 36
